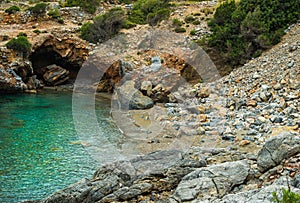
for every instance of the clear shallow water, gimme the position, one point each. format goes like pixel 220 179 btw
pixel 39 147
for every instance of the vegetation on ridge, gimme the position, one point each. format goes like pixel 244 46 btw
pixel 104 26
pixel 242 30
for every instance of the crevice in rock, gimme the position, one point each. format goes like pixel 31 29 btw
pixel 274 161
pixel 216 186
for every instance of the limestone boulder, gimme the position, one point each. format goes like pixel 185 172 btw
pixel 131 98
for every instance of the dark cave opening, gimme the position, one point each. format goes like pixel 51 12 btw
pixel 45 56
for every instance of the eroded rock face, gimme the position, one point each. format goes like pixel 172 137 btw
pixel 10 81
pixel 166 73
pixel 23 68
pixel 69 52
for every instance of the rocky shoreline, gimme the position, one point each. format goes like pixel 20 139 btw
pixel 235 139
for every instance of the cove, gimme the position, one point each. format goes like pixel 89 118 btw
pixel 40 150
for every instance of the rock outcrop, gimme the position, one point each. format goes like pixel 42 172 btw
pixel 55 75
pixel 67 52
pixel 10 81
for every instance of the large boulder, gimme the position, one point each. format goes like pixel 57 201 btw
pixel 278 148
pixel 22 67
pixel 55 75
pixel 131 98
pixel 212 181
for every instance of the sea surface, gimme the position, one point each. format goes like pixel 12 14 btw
pixel 39 146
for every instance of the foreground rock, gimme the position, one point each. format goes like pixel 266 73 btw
pixel 197 175
pixel 212 181
pixel 127 180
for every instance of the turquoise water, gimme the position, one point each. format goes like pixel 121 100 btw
pixel 39 147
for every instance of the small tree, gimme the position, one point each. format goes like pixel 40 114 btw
pixel 39 9
pixel 12 9
pixel 20 44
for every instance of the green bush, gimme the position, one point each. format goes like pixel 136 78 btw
pixel 193 32
pixel 240 29
pixel 177 23
pixel 89 6
pixel 60 20
pixel 12 9
pixel 19 44
pixel 154 18
pixel 287 197
pixel 104 26
pixel 39 9
pixel 180 29
pixel 36 31
pixel 55 14
pixel 149 11
pixel 128 24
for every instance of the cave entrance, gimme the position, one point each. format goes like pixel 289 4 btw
pixel 45 56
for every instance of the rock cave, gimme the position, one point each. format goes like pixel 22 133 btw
pixel 45 56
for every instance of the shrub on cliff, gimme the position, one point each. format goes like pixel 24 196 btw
pixel 55 15
pixel 89 6
pixel 19 44
pixel 243 29
pixel 12 9
pixel 149 11
pixel 39 9
pixel 104 26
